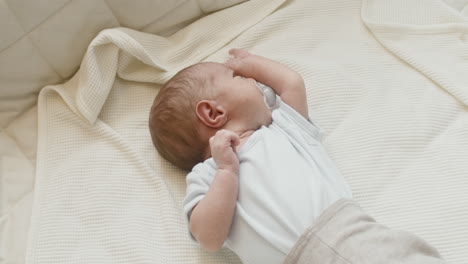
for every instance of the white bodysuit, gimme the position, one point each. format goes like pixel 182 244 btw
pixel 286 180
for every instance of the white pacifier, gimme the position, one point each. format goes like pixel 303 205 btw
pixel 269 95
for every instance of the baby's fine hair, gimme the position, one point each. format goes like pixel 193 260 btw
pixel 173 122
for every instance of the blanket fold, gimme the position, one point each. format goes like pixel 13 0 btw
pixel 395 124
pixel 142 57
pixel 96 199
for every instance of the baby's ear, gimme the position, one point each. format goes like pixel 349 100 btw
pixel 211 113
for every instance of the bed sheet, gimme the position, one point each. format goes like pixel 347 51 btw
pixel 394 127
pixel 43 43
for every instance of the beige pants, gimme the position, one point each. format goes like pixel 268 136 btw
pixel 344 233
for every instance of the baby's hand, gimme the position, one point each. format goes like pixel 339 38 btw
pixel 222 146
pixel 240 63
pixel 239 53
pixel 286 82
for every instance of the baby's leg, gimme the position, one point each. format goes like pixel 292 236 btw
pixel 344 233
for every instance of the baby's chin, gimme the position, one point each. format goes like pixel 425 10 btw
pixel 254 118
pixel 268 119
pixel 264 119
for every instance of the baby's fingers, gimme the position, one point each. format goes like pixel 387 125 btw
pixel 234 63
pixel 239 53
pixel 229 137
pixel 233 138
pixel 225 138
pixel 242 67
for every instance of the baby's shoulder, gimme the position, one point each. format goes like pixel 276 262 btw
pixel 206 167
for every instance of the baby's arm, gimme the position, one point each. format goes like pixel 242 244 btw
pixel 211 218
pixel 287 83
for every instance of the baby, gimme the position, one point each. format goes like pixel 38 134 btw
pixel 259 175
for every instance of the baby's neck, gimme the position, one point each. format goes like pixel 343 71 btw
pixel 243 138
pixel 243 128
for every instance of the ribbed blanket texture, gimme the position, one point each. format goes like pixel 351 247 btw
pixel 386 80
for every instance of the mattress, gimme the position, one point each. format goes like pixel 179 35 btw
pixel 395 120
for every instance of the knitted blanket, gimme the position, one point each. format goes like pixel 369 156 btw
pixel 386 80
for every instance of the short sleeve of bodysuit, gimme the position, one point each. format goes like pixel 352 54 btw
pixel 198 184
pixel 294 124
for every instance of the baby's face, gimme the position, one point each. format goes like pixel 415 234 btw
pixel 240 95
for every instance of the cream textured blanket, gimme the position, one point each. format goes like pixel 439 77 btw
pixel 386 81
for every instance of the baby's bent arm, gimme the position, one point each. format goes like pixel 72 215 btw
pixel 287 83
pixel 211 218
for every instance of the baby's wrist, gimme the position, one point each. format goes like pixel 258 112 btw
pixel 230 169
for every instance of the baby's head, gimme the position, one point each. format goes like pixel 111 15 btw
pixel 198 101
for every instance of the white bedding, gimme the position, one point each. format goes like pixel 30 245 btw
pixel 43 42
pixel 17 168
pixel 392 101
